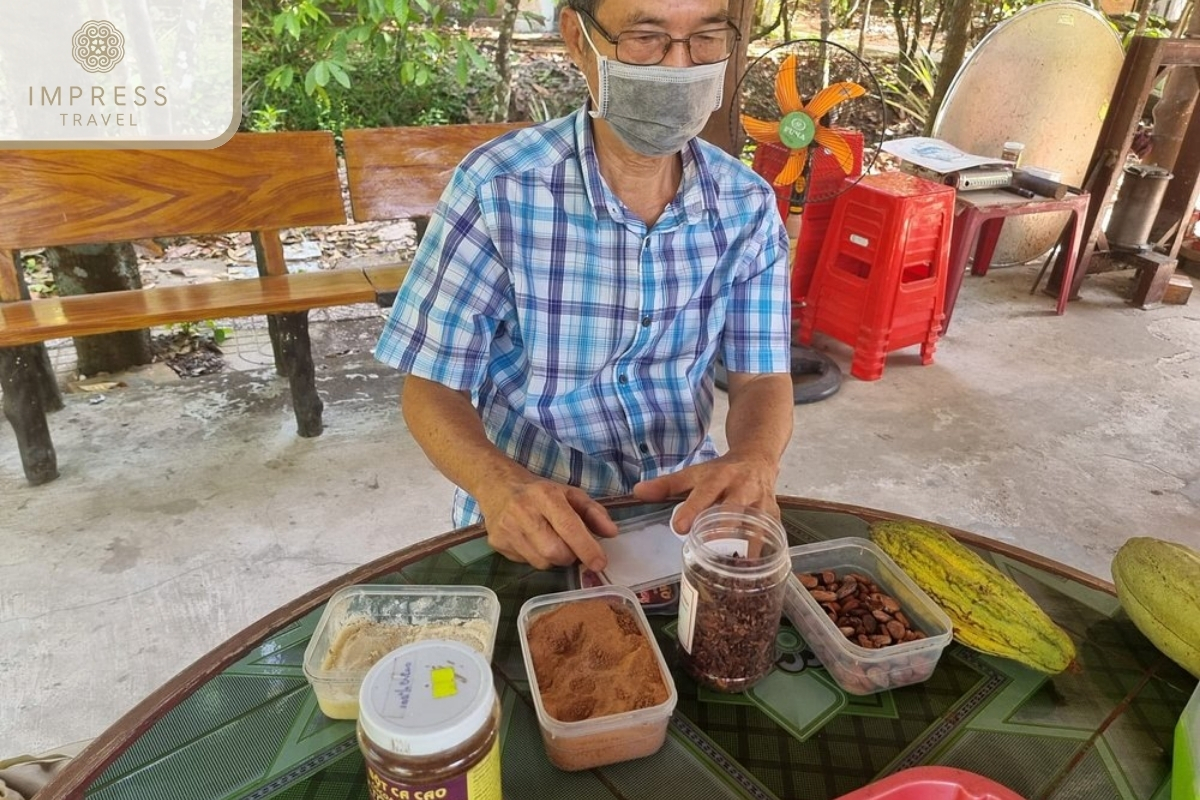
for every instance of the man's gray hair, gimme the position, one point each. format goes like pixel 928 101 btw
pixel 586 6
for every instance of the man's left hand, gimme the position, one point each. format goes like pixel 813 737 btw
pixel 734 479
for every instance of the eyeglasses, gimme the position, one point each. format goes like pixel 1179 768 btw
pixel 647 48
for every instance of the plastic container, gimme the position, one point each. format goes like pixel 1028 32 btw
pixel 434 608
pixel 861 670
pixel 1012 152
pixel 933 783
pixel 429 724
pixel 602 740
pixel 1185 771
pixel 735 571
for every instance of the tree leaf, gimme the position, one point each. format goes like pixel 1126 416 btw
pixel 310 81
pixel 339 74
pixel 321 73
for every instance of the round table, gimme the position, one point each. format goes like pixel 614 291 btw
pixel 242 721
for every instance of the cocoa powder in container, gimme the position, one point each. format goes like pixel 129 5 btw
pixel 602 691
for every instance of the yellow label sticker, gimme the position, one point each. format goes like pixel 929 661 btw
pixel 444 684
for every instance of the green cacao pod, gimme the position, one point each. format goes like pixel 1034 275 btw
pixel 990 612
pixel 1158 584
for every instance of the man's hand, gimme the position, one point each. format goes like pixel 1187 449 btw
pixel 758 427
pixel 546 524
pixel 744 481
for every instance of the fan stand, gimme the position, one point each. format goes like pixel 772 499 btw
pixel 815 376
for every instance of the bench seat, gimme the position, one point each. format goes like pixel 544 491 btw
pixel 31 321
pixel 260 183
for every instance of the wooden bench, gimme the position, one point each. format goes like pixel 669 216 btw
pixel 261 183
pixel 400 173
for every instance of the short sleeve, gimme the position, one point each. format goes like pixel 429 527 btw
pixel 454 298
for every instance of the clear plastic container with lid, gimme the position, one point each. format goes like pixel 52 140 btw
pixel 362 623
pixel 429 724
pixel 735 568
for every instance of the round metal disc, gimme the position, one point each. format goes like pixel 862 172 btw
pixel 1043 77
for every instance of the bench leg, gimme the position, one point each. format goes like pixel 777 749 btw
pixel 296 350
pixel 22 380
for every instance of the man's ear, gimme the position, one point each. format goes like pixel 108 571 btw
pixel 569 24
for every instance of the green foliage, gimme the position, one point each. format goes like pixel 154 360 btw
pixel 1126 24
pixel 908 87
pixel 208 329
pixel 333 64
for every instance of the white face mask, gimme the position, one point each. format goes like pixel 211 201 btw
pixel 656 110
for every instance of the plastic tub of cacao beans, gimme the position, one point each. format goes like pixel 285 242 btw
pixel 871 626
pixel 600 685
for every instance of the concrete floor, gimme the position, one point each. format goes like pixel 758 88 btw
pixel 185 512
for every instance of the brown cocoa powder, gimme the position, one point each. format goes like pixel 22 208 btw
pixel 592 660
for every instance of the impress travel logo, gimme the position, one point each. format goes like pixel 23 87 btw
pixel 98 46
pixel 165 74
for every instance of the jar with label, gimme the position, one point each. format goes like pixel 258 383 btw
pixel 735 569
pixel 1012 152
pixel 429 723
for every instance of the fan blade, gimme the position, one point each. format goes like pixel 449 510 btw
pixel 830 96
pixel 793 169
pixel 834 142
pixel 786 93
pixel 760 131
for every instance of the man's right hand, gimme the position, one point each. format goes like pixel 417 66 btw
pixel 546 524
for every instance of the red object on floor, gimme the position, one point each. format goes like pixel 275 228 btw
pixel 824 183
pixel 977 228
pixel 880 279
pixel 933 783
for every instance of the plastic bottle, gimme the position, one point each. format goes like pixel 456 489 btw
pixel 428 724
pixel 735 568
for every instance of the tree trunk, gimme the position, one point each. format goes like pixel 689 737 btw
pixel 90 269
pixel 899 25
pixel 508 21
pixel 958 24
pixel 722 125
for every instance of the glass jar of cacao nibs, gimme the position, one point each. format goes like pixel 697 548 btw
pixel 735 568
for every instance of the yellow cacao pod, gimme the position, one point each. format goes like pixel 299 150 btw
pixel 1158 584
pixel 990 612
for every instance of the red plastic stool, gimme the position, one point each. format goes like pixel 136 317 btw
pixel 880 280
pixel 824 183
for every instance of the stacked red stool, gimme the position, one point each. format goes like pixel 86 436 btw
pixel 824 183
pixel 880 278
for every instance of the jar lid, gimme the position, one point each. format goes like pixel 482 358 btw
pixel 426 697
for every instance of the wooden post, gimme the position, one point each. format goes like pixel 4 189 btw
pixel 29 386
pixel 268 255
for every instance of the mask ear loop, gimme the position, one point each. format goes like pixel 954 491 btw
pixel 601 73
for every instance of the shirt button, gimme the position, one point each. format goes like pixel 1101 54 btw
pixel 623 379
pixel 646 322
pixel 645 448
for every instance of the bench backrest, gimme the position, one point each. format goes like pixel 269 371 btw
pixel 254 182
pixel 399 173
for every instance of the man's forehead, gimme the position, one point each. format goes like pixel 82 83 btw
pixel 653 12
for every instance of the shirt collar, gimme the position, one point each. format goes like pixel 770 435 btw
pixel 698 188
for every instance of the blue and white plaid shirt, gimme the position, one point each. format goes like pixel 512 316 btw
pixel 586 340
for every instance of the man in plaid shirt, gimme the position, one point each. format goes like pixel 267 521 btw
pixel 560 322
